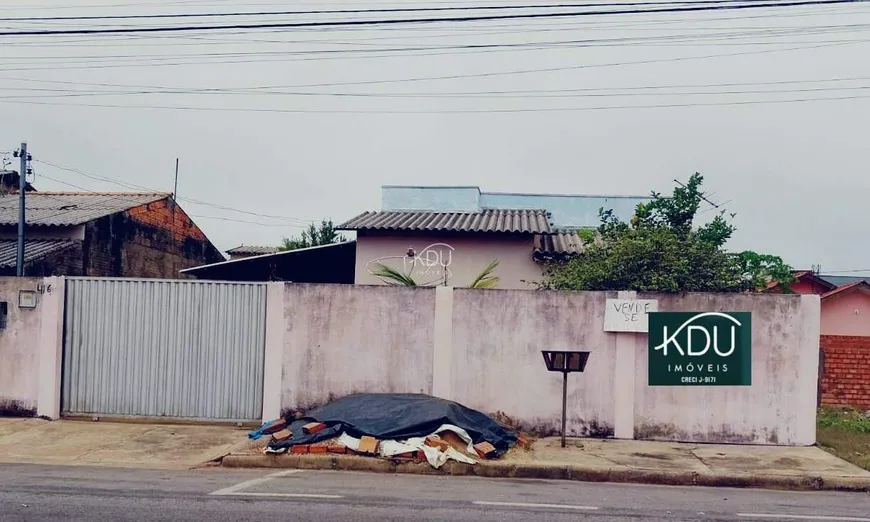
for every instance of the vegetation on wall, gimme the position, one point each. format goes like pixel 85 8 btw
pixel 314 235
pixel 661 249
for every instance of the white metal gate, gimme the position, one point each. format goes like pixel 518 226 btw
pixel 155 348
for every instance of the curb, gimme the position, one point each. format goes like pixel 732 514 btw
pixel 544 471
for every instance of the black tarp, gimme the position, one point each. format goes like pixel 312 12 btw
pixel 397 416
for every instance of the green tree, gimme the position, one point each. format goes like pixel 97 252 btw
pixel 314 235
pixel 661 250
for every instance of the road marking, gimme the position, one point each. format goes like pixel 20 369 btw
pixel 802 517
pixel 234 490
pixel 529 505
pixel 285 495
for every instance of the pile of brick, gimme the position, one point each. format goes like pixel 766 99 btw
pixel 370 446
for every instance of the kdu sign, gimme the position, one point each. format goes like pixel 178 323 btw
pixel 700 349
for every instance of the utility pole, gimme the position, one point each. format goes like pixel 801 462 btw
pixel 22 189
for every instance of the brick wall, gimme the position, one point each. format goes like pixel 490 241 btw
pixel 846 376
pixel 67 262
pixel 153 241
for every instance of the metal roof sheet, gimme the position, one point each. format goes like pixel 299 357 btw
pixel 840 280
pixel 252 250
pixel 71 208
pixel 33 249
pixel 503 221
pixel 559 244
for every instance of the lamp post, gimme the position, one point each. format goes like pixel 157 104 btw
pixel 565 362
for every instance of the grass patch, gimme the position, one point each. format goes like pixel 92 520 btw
pixel 846 434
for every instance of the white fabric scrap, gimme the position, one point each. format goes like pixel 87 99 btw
pixel 434 456
pixel 459 431
pixel 349 442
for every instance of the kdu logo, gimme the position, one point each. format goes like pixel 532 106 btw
pixel 700 335
pixel 700 348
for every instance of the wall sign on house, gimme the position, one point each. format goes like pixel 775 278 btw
pixel 629 315
pixel 700 349
pixel 429 266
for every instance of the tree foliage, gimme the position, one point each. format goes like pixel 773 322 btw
pixel 662 250
pixel 314 235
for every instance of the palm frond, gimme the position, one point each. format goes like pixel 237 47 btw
pixel 391 276
pixel 487 279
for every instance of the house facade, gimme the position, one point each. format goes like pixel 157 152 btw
pixel 449 235
pixel 111 234
pixel 845 300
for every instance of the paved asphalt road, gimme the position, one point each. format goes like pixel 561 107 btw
pixel 32 493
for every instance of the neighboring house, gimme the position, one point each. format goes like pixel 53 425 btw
pixel 9 181
pixel 102 234
pixel 845 300
pixel 846 310
pixel 242 252
pixel 450 234
pixel 319 264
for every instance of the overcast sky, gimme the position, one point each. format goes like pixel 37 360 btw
pixel 331 131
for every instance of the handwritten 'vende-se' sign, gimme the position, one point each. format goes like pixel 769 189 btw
pixel 629 315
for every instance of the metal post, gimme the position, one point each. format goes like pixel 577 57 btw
pixel 564 402
pixel 22 186
pixel 175 189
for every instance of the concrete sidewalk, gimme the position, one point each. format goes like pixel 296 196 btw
pixel 115 444
pixel 597 460
pixel 155 446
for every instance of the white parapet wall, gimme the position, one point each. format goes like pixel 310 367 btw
pixel 483 348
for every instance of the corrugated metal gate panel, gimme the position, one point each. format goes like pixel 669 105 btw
pixel 184 349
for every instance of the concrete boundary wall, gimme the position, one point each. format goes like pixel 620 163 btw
pixel 778 408
pixel 483 348
pixel 30 347
pixel 344 339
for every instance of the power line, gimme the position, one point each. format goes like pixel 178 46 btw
pixel 109 196
pixel 531 71
pixel 458 111
pixel 517 7
pixel 459 94
pixel 757 4
pixel 140 187
pixel 521 94
pixel 570 25
pixel 534 45
pixel 259 223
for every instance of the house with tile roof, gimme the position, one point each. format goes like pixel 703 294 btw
pixel 845 300
pixel 437 235
pixel 448 235
pixel 105 234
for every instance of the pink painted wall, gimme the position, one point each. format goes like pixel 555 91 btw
pixel 482 348
pixel 469 257
pixel 807 287
pixel 19 346
pixel 847 314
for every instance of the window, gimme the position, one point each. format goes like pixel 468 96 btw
pixel 4 313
